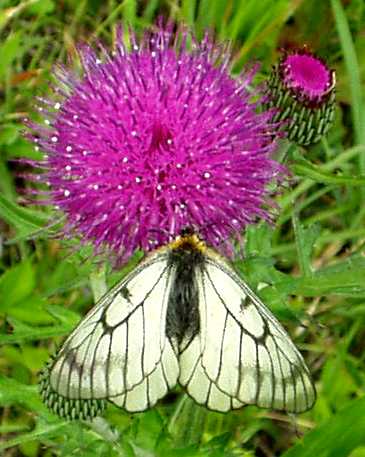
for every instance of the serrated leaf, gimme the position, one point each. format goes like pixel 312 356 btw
pixel 258 240
pixel 344 278
pixel 25 220
pixel 23 332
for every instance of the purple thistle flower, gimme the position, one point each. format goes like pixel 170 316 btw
pixel 153 138
pixel 307 77
pixel 302 87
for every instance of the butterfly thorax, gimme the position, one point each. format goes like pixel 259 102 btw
pixel 182 320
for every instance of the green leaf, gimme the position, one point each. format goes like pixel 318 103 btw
pixel 98 283
pixel 8 134
pixel 359 452
pixel 9 51
pixel 188 8
pixel 258 240
pixel 12 391
pixel 337 383
pixel 41 431
pixel 149 430
pixel 187 423
pixel 24 332
pixel 353 70
pixel 6 182
pixel 259 269
pixel 15 285
pixel 344 278
pixel 337 437
pixel 31 311
pixel 41 7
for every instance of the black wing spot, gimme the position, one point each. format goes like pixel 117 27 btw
pixel 245 302
pixel 125 292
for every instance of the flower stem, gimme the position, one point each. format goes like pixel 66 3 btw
pixel 187 424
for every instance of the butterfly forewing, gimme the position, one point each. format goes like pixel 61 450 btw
pixel 122 341
pixel 245 351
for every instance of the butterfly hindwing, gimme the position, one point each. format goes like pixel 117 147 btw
pixel 198 385
pixel 154 386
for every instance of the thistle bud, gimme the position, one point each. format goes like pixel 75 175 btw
pixel 302 88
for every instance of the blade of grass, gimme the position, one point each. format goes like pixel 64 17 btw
pixel 188 9
pixel 304 168
pixel 127 8
pixel 353 71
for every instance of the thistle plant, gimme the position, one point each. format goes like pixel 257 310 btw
pixel 154 137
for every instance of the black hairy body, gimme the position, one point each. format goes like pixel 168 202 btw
pixel 182 320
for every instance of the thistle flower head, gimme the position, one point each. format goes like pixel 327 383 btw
pixel 307 76
pixel 152 138
pixel 302 88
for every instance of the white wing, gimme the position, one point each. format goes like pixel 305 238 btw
pixel 199 386
pixel 242 355
pixel 120 351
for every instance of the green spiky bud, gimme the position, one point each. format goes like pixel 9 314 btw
pixel 302 88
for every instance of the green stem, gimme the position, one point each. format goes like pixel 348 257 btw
pixel 301 246
pixel 186 425
pixel 286 201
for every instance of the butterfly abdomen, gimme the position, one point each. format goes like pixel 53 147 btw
pixel 182 320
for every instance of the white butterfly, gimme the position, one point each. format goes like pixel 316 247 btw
pixel 181 316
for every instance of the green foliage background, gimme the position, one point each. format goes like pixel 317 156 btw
pixel 312 260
